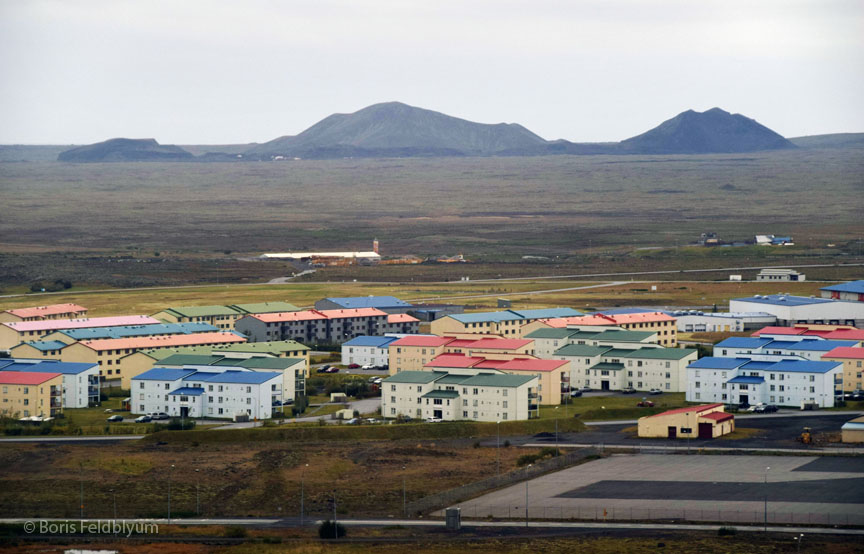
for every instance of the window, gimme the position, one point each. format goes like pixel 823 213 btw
pixel 812 378
pixel 782 388
pixel 782 399
pixel 465 414
pixel 420 401
pixel 249 389
pixel 475 415
pixel 393 399
pixel 504 415
pixel 210 388
pixel 504 393
pixel 698 395
pixel 698 384
pixel 668 375
pixel 724 397
pixel 813 389
pixel 166 386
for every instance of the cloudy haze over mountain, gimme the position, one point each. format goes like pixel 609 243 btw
pixel 218 71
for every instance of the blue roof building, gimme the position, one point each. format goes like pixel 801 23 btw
pixel 80 380
pixel 389 304
pixel 852 291
pixel 366 340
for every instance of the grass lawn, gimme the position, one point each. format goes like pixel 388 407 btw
pixel 96 415
pixel 598 408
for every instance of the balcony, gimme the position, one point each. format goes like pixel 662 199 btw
pixel 56 391
pixel 56 403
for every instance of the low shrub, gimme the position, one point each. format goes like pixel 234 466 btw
pixel 331 530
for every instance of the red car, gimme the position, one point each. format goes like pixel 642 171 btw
pixel 353 366
pixel 645 404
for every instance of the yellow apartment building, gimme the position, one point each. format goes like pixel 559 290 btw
pixel 30 393
pixel 41 313
pixel 852 358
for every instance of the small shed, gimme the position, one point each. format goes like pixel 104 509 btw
pixel 707 421
pixel 338 397
pixel 347 413
pixel 853 431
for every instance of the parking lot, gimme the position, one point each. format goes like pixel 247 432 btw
pixel 737 489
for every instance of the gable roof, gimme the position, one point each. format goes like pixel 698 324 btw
pixel 201 311
pixel 499 344
pixel 497 380
pixel 58 324
pixel 582 350
pixel 25 377
pixel 367 340
pixel 454 361
pixel 532 364
pixel 264 307
pixel 421 340
pixel 43 311
pixel 742 342
pixel 415 377
pixel 852 286
pixel 369 302
pixel 44 345
pixel 686 409
pixel 550 333
pixel 661 353
pixel 236 377
pixel 123 331
pixel 163 341
pixel 163 374
pixel 401 318
pixel 48 366
pixel 784 300
pixel 714 362
pixel 846 352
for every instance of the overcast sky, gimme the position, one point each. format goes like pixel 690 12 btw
pixel 218 71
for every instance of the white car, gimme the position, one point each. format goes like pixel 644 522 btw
pixel 434 420
pixel 368 366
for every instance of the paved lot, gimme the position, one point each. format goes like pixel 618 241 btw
pixel 697 488
pixel 773 432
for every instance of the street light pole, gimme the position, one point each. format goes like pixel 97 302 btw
pixel 198 492
pixel 404 495
pixel 526 499
pixel 556 431
pixel 766 498
pixel 498 447
pixel 302 492
pixel 169 493
pixel 81 481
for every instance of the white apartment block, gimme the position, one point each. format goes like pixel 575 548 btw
pixel 549 340
pixel 763 379
pixel 791 346
pixel 216 393
pixel 365 350
pixel 477 396
pixel 608 368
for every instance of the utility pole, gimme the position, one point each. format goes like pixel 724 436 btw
pixel 766 498
pixel 498 448
pixel 169 493
pixel 404 495
pixel 81 481
pixel 302 492
pixel 198 492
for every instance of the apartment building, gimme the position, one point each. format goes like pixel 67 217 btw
pixel 110 354
pixel 16 332
pixel 615 368
pixel 402 324
pixel 413 352
pixel 80 381
pixel 388 304
pixel 808 348
pixel 477 396
pixel 658 322
pixel 215 393
pixel 139 362
pixel 30 394
pixel 70 336
pixel 852 359
pixel 41 313
pixel 367 350
pixel 332 327
pixel 548 340
pixel 222 317
pixel 765 379
pixel 507 323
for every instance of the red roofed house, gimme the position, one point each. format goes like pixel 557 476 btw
pixel 852 359
pixel 707 421
pixel 30 393
pixel 400 323
pixel 491 347
pixel 37 313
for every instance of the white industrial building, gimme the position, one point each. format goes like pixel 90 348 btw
pixel 775 275
pixel 453 396
pixel 691 321
pixel 790 310
pixel 852 291
pixel 215 393
pixel 366 350
pixel 793 347
pixel 80 380
pixel 763 379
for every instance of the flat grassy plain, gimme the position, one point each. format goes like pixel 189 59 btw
pixel 104 223
pixel 477 295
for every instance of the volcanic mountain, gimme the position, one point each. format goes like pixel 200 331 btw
pixel 396 129
pixel 712 131
pixel 125 150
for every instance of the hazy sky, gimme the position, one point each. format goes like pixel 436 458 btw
pixel 217 71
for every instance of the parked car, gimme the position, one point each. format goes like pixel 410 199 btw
pixel 585 389
pixel 372 421
pixel 158 415
pixel 629 390
pixel 645 404
pixel 333 370
pixel 354 421
pixel 434 420
pixel 353 366
pixel 765 408
pixel 115 418
pixel 755 407
pixel 575 393
pixel 655 391
pixel 368 366
pixel 143 419
pixel 321 370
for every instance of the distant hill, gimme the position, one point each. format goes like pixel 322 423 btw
pixel 398 129
pixel 125 150
pixel 836 140
pixel 712 131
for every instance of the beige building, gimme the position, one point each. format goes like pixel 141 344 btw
pixel 853 431
pixel 41 313
pixel 110 354
pixel 30 393
pixel 16 332
pixel 852 359
pixel 413 352
pixel 469 395
pixel 506 323
pixel 707 421
pixel 137 363
pixel 656 322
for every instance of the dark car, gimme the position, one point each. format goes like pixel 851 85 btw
pixel 575 393
pixel 115 418
pixel 629 390
pixel 322 369
pixel 645 404
pixel 143 419
pixel 766 409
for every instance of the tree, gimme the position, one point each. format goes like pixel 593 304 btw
pixel 326 530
